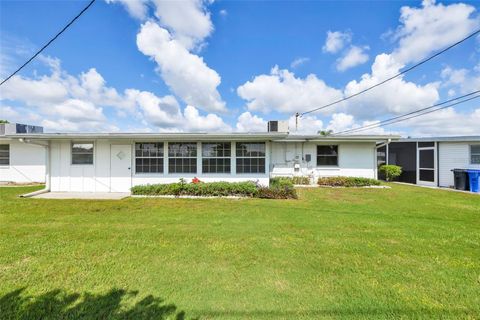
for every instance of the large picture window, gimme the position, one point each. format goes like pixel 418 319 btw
pixel 182 157
pixel 216 157
pixel 82 153
pixel 149 157
pixel 4 154
pixel 250 157
pixel 475 154
pixel 327 155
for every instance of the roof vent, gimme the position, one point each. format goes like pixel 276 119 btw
pixel 278 126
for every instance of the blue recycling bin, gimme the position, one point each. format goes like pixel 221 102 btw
pixel 473 176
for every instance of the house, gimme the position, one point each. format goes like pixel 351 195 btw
pixel 114 162
pixel 430 161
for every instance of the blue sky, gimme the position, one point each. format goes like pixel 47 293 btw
pixel 232 65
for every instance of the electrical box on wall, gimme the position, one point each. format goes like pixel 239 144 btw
pixel 308 157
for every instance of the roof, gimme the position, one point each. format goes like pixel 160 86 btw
pixel 442 139
pixel 204 136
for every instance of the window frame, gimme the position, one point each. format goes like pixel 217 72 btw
pixel 162 149
pixel 473 153
pixel 170 157
pixel 337 156
pixel 216 157
pixel 82 142
pixel 8 154
pixel 264 158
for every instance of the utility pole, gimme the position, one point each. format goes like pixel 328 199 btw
pixel 297 115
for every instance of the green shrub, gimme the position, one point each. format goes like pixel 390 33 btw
pixel 276 193
pixel 303 180
pixel 281 182
pixel 391 171
pixel 246 189
pixel 347 182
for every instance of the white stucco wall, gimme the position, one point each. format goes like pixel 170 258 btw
pixel 453 155
pixel 354 160
pixel 96 178
pixel 27 163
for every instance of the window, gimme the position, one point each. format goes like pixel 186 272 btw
pixel 4 154
pixel 182 157
pixel 216 157
pixel 250 157
pixel 475 154
pixel 148 157
pixel 327 155
pixel 82 153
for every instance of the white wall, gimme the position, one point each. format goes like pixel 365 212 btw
pixel 453 155
pixel 96 178
pixel 27 163
pixel 354 160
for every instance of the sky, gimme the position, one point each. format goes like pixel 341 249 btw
pixel 231 66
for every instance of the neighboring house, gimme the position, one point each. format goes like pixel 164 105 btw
pixel 429 161
pixel 114 162
pixel 20 162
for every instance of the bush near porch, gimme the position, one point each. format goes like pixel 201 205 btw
pixel 347 182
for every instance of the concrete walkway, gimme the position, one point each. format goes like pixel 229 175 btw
pixel 83 195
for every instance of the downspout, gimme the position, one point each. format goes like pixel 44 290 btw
pixel 47 168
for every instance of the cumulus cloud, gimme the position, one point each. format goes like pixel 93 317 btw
pixel 395 97
pixel 281 91
pixel 464 80
pixel 336 41
pixel 430 28
pixel 353 57
pixel 136 8
pixel 186 74
pixel 248 122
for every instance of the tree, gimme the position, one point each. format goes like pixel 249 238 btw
pixel 325 133
pixel 391 171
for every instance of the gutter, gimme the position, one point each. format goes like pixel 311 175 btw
pixel 47 168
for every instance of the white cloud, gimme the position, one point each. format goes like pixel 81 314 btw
pixel 308 124
pixel 298 62
pixel 223 12
pixel 188 21
pixel 352 58
pixel 340 122
pixel 281 91
pixel 186 74
pixel 136 8
pixel 396 96
pixel 430 28
pixel 211 122
pixel 248 122
pixel 336 41
pixel 465 80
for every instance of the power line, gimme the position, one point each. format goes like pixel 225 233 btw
pixel 412 112
pixel 49 42
pixel 389 121
pixel 392 77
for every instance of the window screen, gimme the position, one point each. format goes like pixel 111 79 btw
pixel 250 157
pixel 82 153
pixel 4 154
pixel 149 157
pixel 182 157
pixel 475 154
pixel 327 155
pixel 216 157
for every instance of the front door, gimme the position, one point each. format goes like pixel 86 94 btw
pixel 120 168
pixel 426 164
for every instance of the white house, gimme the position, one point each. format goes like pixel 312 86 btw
pixel 430 161
pixel 114 162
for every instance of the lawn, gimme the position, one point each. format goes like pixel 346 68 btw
pixel 404 252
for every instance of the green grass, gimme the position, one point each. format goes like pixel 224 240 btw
pixel 405 252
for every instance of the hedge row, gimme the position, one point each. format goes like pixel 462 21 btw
pixel 217 189
pixel 347 182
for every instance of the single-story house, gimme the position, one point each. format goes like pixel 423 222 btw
pixel 114 162
pixel 430 161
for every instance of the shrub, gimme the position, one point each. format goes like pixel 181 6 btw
pixel 248 189
pixel 305 180
pixel 347 182
pixel 391 171
pixel 281 182
pixel 276 193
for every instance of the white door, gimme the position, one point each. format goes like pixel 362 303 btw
pixel 120 168
pixel 427 164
